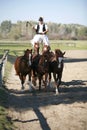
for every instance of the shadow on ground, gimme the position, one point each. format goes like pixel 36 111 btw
pixel 70 92
pixel 70 60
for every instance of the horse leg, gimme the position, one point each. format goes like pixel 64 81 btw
pixel 30 84
pixel 40 77
pixel 59 80
pixel 54 75
pixel 34 78
pixel 22 78
pixel 50 77
pixel 46 76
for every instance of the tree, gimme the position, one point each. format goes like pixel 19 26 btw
pixel 5 27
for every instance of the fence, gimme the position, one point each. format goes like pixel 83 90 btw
pixel 2 66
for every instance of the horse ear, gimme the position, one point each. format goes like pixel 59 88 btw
pixel 55 50
pixel 64 53
pixel 31 50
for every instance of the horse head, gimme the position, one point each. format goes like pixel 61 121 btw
pixel 28 56
pixel 59 57
pixel 44 62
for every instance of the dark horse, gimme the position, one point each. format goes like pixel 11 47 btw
pixel 22 66
pixel 35 61
pixel 56 67
pixel 40 67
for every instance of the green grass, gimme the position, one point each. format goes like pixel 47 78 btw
pixel 5 121
pixel 68 45
pixel 14 46
pixel 61 44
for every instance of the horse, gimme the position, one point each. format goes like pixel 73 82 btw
pixel 43 69
pixel 40 67
pixel 56 67
pixel 35 60
pixel 22 66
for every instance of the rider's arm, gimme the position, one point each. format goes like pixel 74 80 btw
pixel 34 27
pixel 45 31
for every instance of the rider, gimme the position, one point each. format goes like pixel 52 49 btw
pixel 41 30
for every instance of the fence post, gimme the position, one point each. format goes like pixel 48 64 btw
pixel 1 65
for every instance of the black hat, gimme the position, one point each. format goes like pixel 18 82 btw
pixel 40 19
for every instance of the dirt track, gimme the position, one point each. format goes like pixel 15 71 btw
pixel 47 111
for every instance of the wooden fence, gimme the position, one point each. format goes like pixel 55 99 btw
pixel 3 61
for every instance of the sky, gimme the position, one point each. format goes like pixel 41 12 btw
pixel 57 11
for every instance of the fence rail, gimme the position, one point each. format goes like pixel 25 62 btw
pixel 3 61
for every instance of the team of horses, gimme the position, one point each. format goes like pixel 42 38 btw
pixel 40 66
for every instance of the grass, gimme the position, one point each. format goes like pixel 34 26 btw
pixel 69 45
pixel 62 44
pixel 8 66
pixel 5 121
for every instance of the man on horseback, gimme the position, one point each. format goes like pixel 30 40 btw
pixel 41 31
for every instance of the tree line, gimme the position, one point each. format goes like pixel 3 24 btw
pixel 57 31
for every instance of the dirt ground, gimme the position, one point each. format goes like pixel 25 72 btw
pixel 47 111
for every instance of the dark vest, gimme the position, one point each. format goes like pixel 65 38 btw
pixel 37 30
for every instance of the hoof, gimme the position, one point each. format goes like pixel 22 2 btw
pixel 57 92
pixel 31 89
pixel 45 89
pixel 39 89
pixel 22 88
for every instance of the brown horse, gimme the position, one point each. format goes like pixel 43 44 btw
pixel 56 67
pixel 35 61
pixel 22 66
pixel 43 69
pixel 40 67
